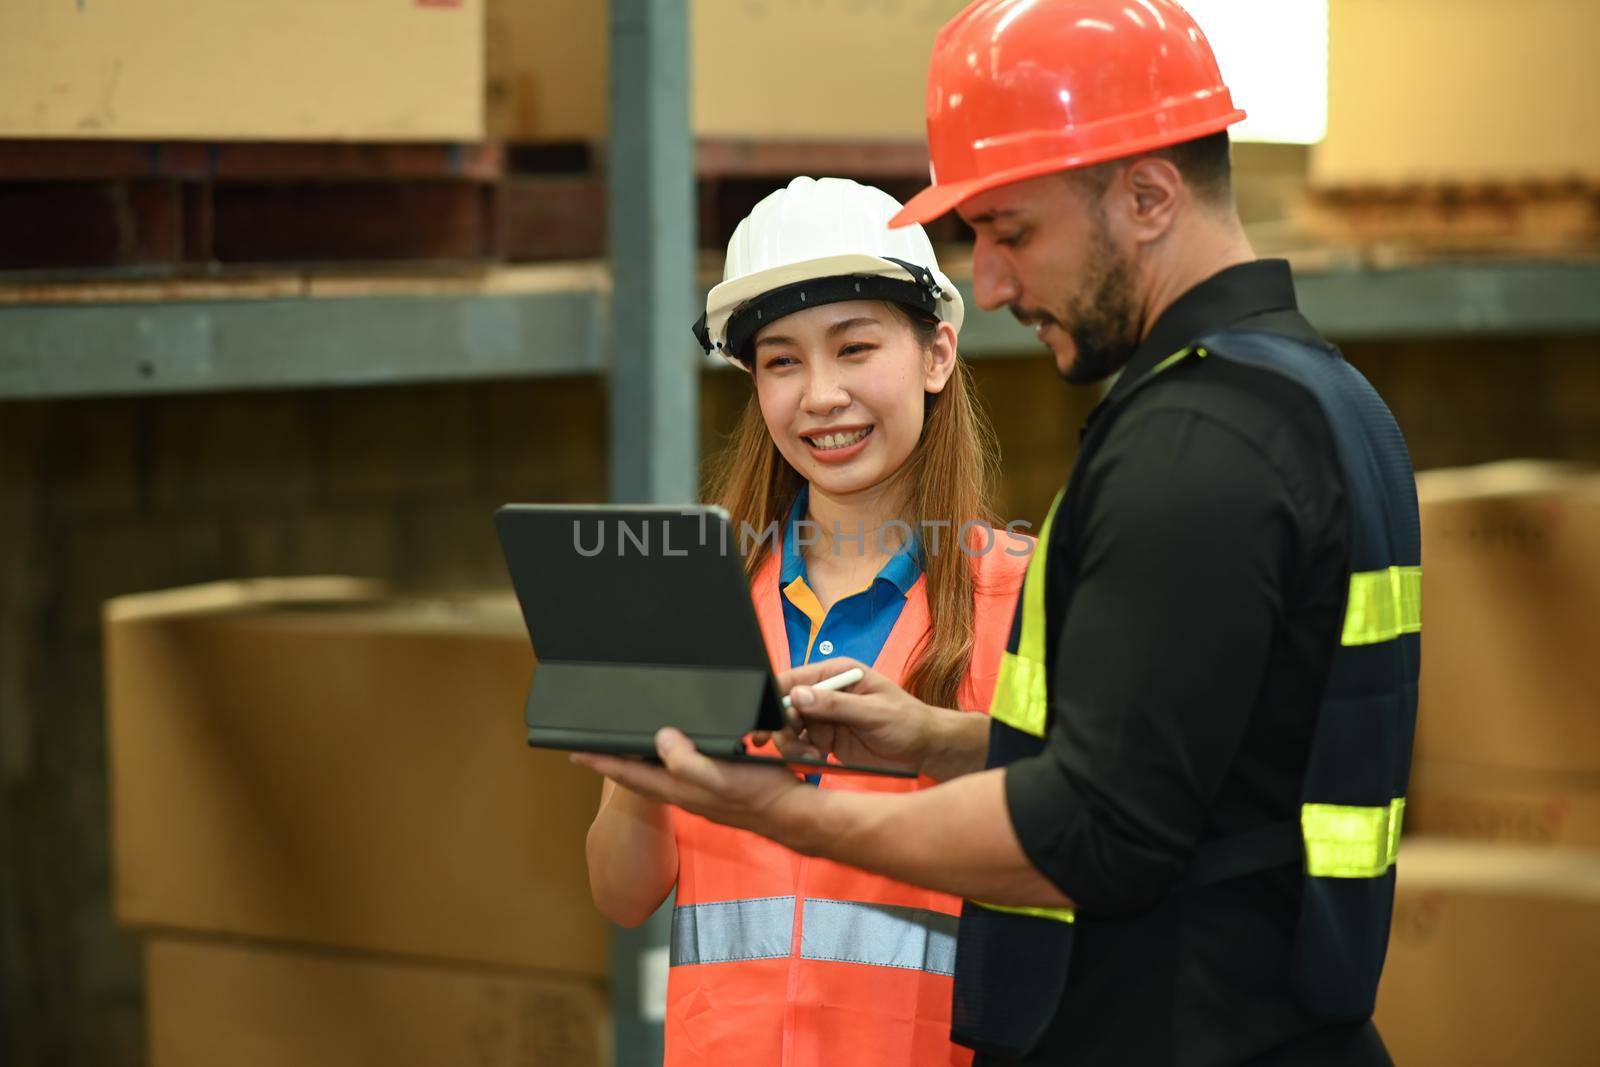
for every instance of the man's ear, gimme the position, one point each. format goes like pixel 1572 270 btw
pixel 941 359
pixel 1150 192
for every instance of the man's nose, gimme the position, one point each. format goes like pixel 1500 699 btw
pixel 992 283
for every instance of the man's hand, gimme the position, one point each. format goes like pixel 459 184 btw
pixel 873 722
pixel 744 795
pixel 954 838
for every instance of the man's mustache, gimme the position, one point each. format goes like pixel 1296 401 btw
pixel 1031 317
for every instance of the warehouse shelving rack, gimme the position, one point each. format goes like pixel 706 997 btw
pixel 294 332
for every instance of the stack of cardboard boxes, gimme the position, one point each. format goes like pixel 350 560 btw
pixel 1425 93
pixel 326 821
pixel 449 70
pixel 1497 919
pixel 548 67
pixel 292 70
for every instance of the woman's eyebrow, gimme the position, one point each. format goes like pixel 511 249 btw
pixel 846 324
pixel 837 328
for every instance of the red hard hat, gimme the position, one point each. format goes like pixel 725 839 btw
pixel 1019 88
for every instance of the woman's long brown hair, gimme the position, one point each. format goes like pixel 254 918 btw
pixel 949 479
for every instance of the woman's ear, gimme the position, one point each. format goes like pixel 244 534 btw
pixel 940 361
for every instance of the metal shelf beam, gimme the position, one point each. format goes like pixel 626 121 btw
pixel 76 350
pixel 1448 300
pixel 346 338
pixel 1453 300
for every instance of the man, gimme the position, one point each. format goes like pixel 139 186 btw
pixel 1181 820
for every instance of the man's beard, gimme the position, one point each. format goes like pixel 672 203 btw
pixel 1101 317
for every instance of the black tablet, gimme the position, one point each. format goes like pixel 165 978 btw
pixel 641 618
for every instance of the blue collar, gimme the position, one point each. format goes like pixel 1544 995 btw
pixel 902 570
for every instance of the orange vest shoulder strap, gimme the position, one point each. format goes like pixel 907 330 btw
pixel 769 612
pixel 997 577
pixel 906 638
pixel 999 572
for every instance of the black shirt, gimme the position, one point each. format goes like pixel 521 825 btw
pixel 1195 583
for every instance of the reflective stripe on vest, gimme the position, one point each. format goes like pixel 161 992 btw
pixel 1020 700
pixel 1020 697
pixel 1352 800
pixel 1382 606
pixel 883 935
pixel 1014 960
pixel 1344 841
pixel 1060 915
pixel 1351 842
pixel 842 931
pixel 732 930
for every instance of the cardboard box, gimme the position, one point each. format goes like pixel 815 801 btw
pixel 754 69
pixel 218 1002
pixel 1486 804
pixel 297 761
pixel 360 70
pixel 1492 956
pixel 1460 92
pixel 823 70
pixel 548 69
pixel 1511 618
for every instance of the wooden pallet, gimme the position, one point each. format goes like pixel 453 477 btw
pixel 180 210
pixel 174 209
pixel 1526 219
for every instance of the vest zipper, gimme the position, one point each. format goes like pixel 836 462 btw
pixel 789 1011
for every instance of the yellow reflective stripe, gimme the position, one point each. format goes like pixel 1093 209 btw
pixel 1031 642
pixel 1397 814
pixel 1020 700
pixel 1062 915
pixel 1383 605
pixel 1020 697
pixel 1172 359
pixel 1351 842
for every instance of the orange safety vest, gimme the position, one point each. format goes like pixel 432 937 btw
pixel 783 959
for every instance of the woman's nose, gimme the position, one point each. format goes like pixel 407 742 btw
pixel 825 391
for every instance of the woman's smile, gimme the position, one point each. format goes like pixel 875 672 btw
pixel 834 445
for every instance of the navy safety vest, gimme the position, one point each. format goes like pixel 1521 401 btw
pixel 1012 962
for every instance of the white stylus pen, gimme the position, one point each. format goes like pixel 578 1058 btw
pixel 838 681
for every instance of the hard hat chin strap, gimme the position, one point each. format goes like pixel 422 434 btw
pixel 924 278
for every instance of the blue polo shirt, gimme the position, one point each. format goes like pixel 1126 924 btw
pixel 857 625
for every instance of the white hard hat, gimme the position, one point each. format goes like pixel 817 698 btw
pixel 820 241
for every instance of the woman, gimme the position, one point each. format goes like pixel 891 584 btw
pixel 863 445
